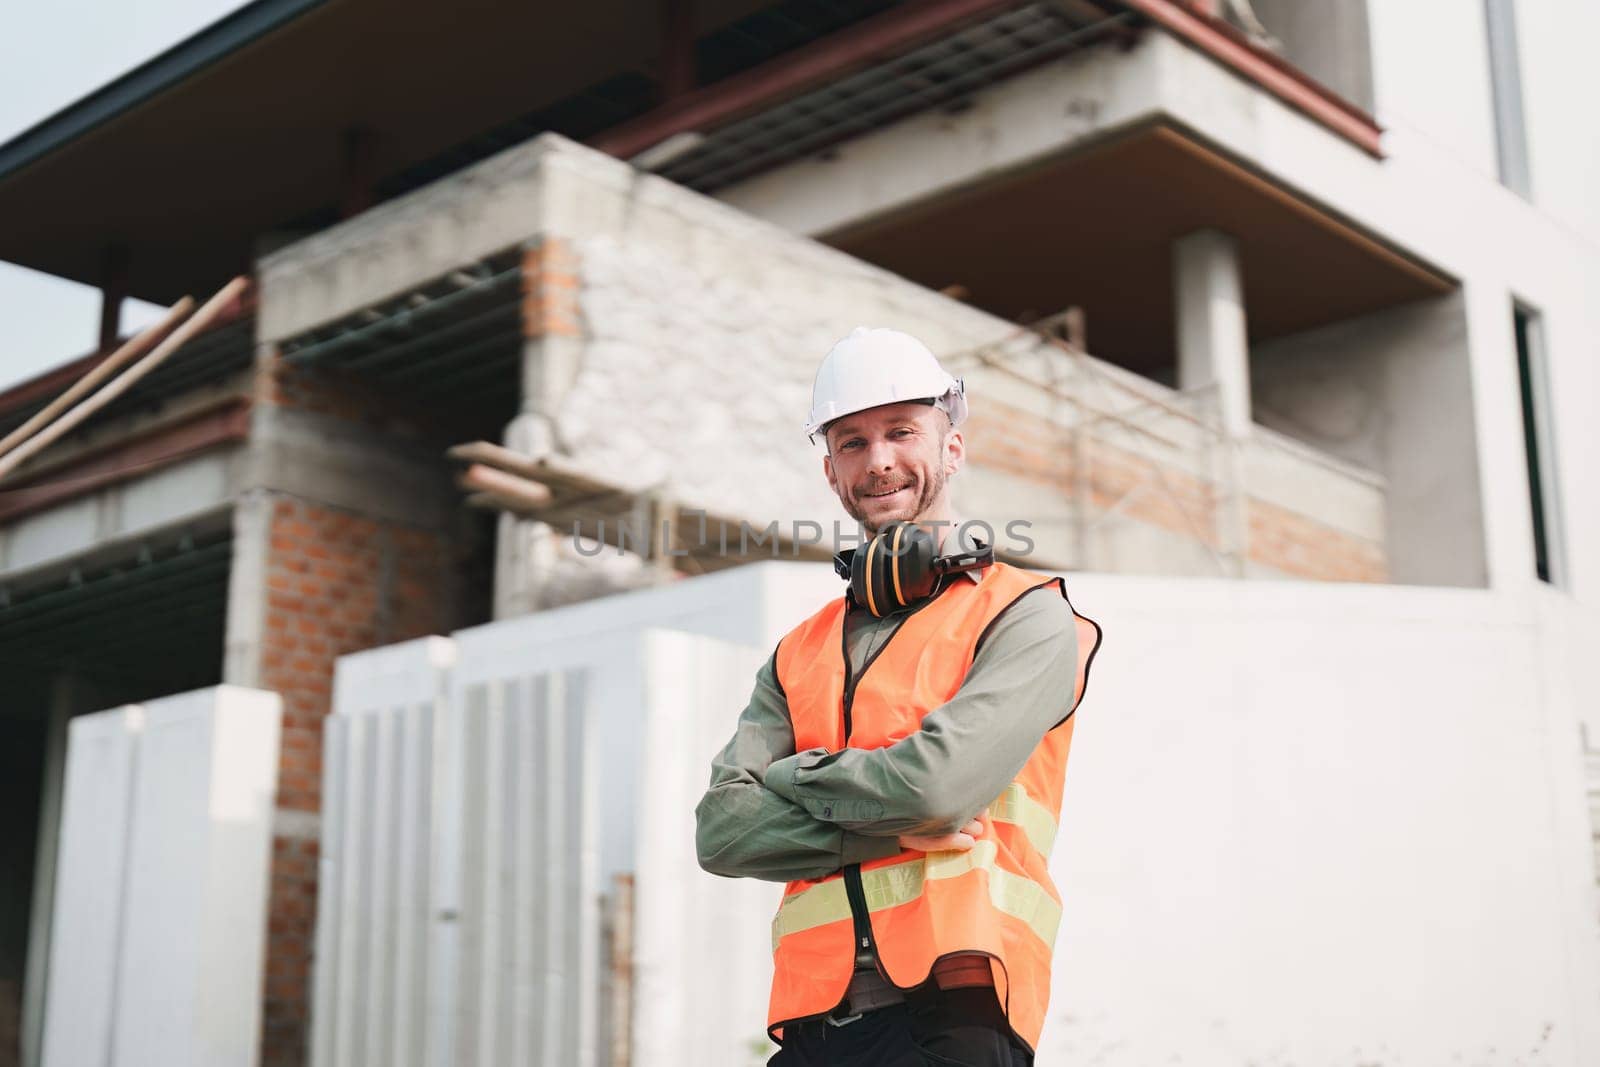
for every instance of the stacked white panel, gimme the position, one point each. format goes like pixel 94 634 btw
pixel 87 917
pixel 702 964
pixel 523 876
pixel 485 795
pixel 160 921
pixel 458 912
pixel 378 932
pixel 193 943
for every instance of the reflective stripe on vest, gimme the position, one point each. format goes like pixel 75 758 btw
pixel 1015 806
pixel 887 887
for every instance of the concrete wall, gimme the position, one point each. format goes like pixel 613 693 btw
pixel 181 492
pixel 710 337
pixel 1443 107
pixel 1327 40
pixel 1340 825
pixel 1559 79
pixel 1434 194
pixel 191 489
pixel 1391 392
pixel 672 342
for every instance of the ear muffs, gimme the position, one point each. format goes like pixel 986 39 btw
pixel 900 568
pixel 894 570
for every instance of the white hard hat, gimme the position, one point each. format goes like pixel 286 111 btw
pixel 874 367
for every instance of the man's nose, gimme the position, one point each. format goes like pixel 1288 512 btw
pixel 880 456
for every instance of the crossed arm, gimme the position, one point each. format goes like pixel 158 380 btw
pixel 775 814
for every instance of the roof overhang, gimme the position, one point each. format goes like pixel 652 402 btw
pixel 1094 228
pixel 149 80
pixel 238 136
pixel 254 130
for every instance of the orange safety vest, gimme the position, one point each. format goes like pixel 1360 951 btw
pixel 915 907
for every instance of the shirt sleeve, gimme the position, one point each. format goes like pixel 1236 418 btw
pixel 744 830
pixel 935 781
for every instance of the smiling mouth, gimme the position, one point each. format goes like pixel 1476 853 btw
pixel 885 493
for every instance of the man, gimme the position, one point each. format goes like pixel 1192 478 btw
pixel 902 769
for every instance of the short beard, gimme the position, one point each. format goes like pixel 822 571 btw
pixel 930 492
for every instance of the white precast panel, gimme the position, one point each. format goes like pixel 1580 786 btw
pixel 702 961
pixel 88 904
pixel 480 794
pixel 519 850
pixel 193 941
pixel 459 902
pixel 376 937
pixel 751 606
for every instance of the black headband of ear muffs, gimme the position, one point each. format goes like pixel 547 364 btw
pixel 900 568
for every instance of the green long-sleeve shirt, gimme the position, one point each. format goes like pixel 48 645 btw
pixel 779 815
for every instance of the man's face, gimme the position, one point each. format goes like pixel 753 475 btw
pixel 892 463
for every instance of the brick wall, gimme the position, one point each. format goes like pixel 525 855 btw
pixel 550 289
pixel 337 582
pixel 345 397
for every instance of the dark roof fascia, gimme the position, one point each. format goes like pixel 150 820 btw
pixel 148 80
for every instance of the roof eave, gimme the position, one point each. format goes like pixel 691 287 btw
pixel 148 80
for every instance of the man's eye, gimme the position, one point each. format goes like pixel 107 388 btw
pixel 854 442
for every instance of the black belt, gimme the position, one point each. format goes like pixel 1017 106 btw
pixel 868 991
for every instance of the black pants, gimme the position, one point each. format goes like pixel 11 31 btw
pixel 963 1027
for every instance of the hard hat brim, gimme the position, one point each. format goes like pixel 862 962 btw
pixel 953 403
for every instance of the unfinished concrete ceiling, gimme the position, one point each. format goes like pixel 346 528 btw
pixel 1095 229
pixel 151 614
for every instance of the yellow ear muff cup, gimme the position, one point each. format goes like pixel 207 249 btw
pixel 867 582
pixel 894 568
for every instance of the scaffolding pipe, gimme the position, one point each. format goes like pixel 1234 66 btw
pixel 224 298
pixel 135 346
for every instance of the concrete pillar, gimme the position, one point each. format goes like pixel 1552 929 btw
pixel 1213 347
pixel 247 589
pixel 525 550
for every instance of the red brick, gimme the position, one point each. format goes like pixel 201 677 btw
pixel 325 567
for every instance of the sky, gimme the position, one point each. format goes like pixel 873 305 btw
pixel 50 56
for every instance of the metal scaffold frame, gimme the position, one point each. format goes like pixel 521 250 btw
pixel 1222 530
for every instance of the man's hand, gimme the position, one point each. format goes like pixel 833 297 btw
pixel 960 841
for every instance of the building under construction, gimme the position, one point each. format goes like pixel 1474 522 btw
pixel 1278 325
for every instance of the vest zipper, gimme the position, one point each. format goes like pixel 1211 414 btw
pixel 866 947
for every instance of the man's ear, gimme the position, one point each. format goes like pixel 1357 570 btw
pixel 827 472
pixel 955 452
